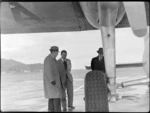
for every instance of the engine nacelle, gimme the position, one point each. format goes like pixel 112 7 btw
pixel 103 13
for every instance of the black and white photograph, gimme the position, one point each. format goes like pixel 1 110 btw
pixel 74 56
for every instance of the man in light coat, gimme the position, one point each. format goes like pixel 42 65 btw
pixel 52 84
pixel 67 81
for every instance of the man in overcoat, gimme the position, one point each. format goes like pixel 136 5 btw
pixel 51 80
pixel 67 81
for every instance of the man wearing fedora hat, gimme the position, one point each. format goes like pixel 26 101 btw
pixel 51 80
pixel 97 63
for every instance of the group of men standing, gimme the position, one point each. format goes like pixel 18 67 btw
pixel 57 80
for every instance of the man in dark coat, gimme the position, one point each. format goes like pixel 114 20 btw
pixel 98 63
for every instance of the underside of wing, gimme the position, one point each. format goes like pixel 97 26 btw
pixel 34 17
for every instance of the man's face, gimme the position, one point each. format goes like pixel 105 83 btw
pixel 100 53
pixel 64 55
pixel 55 53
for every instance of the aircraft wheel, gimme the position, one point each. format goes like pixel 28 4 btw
pixel 95 87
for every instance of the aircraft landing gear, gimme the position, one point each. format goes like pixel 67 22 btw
pixel 96 92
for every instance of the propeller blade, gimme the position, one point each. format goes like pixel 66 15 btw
pixel 137 17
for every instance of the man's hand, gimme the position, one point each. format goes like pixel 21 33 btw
pixel 53 82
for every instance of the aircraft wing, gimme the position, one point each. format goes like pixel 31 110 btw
pixel 35 17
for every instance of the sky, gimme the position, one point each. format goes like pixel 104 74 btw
pixel 81 46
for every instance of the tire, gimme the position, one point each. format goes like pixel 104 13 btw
pixel 95 87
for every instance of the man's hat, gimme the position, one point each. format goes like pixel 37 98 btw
pixel 54 48
pixel 100 50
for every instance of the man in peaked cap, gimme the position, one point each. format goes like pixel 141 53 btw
pixel 51 80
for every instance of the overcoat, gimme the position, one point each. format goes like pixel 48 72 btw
pixel 97 64
pixel 51 73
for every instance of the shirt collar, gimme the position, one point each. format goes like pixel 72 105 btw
pixel 63 59
pixel 100 57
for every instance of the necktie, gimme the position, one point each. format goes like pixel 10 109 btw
pixel 65 64
pixel 55 60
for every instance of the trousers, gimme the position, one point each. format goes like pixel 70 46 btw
pixel 54 105
pixel 68 86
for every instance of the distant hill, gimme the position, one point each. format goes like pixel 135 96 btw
pixel 15 66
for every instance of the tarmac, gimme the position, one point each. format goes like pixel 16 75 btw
pixel 27 94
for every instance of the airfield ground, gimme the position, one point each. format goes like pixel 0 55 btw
pixel 24 92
